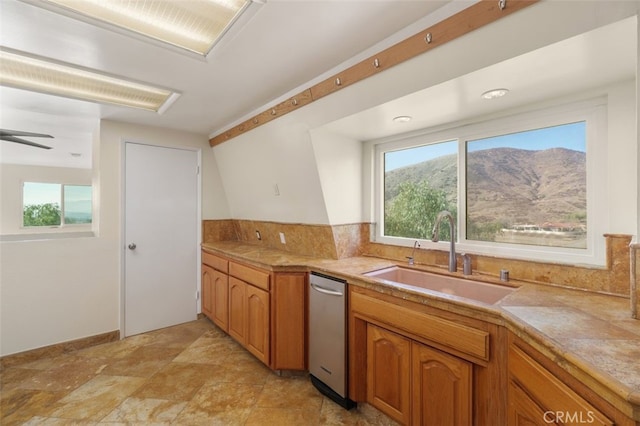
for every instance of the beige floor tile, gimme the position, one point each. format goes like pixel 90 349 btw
pixel 282 417
pixel 145 411
pixel 179 336
pixel 143 362
pixel 11 378
pixel 288 392
pixel 72 372
pixel 223 403
pixel 242 367
pixel 363 415
pixel 96 398
pixel 19 405
pixel 176 381
pixel 209 350
pixel 192 374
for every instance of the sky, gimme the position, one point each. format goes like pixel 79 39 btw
pixel 571 136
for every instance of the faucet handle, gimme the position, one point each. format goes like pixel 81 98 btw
pixel 466 264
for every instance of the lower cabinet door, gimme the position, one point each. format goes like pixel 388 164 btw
pixel 220 300
pixel 237 309
pixel 388 373
pixel 524 411
pixel 441 388
pixel 257 337
pixel 208 274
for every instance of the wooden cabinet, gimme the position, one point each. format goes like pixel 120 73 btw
pixel 289 321
pixel 441 387
pixel 541 395
pixel 423 366
pixel 414 383
pixel 249 318
pixel 219 300
pixel 257 316
pixel 215 283
pixel 207 290
pixel 388 373
pixel 237 309
pixel 262 310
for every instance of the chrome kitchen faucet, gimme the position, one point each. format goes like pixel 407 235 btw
pixel 434 237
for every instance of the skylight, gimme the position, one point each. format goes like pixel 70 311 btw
pixel 194 25
pixel 36 74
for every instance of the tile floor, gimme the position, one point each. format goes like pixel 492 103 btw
pixel 190 374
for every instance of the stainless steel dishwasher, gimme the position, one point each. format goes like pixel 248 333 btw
pixel 328 337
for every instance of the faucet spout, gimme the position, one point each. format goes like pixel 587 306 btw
pixel 453 265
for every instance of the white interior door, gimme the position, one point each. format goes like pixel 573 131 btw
pixel 161 240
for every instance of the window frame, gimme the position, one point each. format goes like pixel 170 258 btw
pixel 593 112
pixel 63 227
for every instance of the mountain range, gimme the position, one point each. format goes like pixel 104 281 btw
pixel 513 186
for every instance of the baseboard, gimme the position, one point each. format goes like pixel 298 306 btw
pixel 57 349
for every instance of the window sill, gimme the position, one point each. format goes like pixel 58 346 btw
pixel 46 236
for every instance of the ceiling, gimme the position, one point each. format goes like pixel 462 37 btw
pixel 578 66
pixel 280 46
pixel 276 46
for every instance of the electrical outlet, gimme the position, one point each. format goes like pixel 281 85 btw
pixel 258 236
pixel 282 240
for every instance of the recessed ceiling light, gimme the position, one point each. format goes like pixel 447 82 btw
pixel 36 74
pixel 494 93
pixel 191 25
pixel 402 119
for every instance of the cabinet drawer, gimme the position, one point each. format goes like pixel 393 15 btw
pixel 215 262
pixel 547 391
pixel 249 275
pixel 462 338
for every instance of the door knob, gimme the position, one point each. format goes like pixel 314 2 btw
pixel 132 246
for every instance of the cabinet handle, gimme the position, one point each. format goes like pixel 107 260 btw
pixel 326 290
pixel 132 246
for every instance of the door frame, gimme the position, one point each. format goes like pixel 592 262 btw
pixel 122 238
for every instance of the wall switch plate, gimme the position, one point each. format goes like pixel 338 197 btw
pixel 276 190
pixel 282 240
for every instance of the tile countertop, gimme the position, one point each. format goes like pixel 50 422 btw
pixel 590 335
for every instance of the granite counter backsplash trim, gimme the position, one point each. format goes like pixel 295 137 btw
pixel 344 241
pixel 323 241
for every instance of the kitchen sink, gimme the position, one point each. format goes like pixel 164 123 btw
pixel 475 290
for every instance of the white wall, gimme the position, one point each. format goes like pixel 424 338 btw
pixel 54 290
pixel 339 164
pixel 272 155
pixel 280 151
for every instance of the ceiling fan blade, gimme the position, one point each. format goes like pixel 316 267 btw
pixel 22 141
pixel 5 132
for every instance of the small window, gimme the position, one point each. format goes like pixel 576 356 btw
pixel 529 187
pixel 419 182
pixel 55 205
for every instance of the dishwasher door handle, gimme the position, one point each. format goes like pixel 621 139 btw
pixel 326 290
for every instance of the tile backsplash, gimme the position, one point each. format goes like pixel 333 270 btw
pixel 343 241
